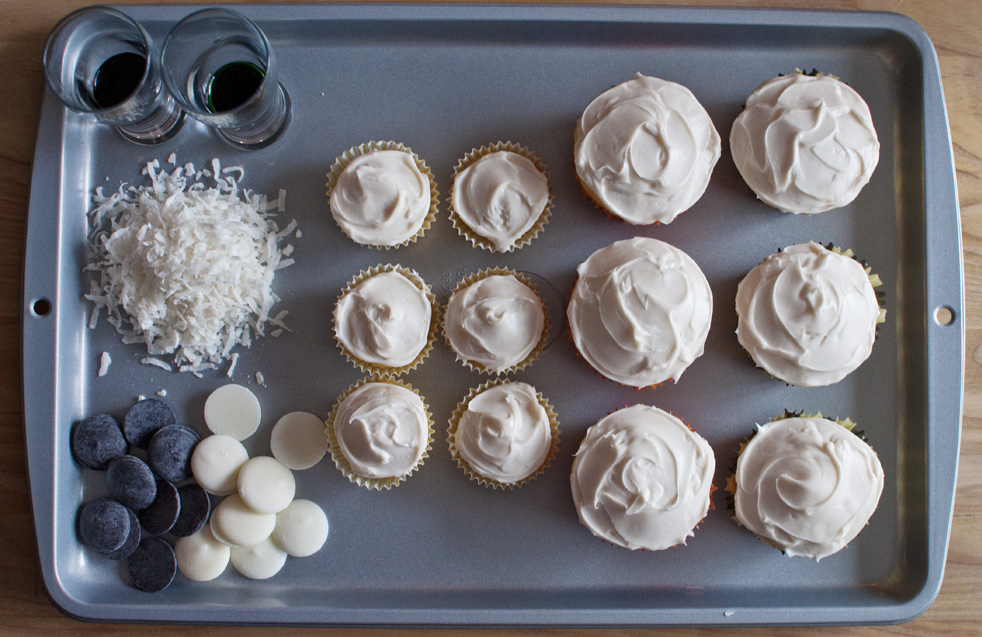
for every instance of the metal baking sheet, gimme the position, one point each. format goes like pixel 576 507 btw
pixel 440 549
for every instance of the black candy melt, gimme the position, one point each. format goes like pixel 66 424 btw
pixel 153 565
pixel 132 540
pixel 195 508
pixel 97 441
pixel 144 419
pixel 169 452
pixel 104 525
pixel 159 517
pixel 131 482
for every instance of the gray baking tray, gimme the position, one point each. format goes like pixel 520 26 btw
pixel 440 549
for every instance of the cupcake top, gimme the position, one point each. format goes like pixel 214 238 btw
pixel 805 143
pixel 495 322
pixel 645 150
pixel 382 430
pixel 500 197
pixel 807 315
pixel 381 198
pixel 384 319
pixel 807 485
pixel 640 311
pixel 504 434
pixel 642 479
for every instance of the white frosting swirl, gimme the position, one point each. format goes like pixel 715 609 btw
pixel 382 430
pixel 807 486
pixel 381 198
pixel 642 479
pixel 640 312
pixel 500 197
pixel 504 434
pixel 495 322
pixel 807 315
pixel 385 320
pixel 645 149
pixel 805 144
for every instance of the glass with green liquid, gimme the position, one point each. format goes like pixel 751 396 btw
pixel 221 68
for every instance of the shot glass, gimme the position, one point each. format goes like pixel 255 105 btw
pixel 100 62
pixel 221 68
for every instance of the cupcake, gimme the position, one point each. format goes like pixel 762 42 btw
pixel 805 143
pixel 500 198
pixel 495 321
pixel 382 194
pixel 642 479
pixel 503 434
pixel 640 311
pixel 379 433
pixel 385 320
pixel 808 314
pixel 806 485
pixel 644 150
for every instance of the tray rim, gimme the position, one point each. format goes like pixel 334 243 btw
pixel 942 344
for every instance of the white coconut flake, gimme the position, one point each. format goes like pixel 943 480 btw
pixel 156 362
pixel 185 267
pixel 104 361
pixel 162 393
pixel 260 379
pixel 231 368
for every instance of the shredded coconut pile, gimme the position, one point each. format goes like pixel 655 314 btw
pixel 187 269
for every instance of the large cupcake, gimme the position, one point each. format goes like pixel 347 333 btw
pixel 640 311
pixel 642 479
pixel 806 485
pixel 645 149
pixel 805 143
pixel 808 314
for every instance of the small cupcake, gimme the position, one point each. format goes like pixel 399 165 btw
pixel 642 479
pixel 805 143
pixel 496 321
pixel 808 314
pixel 385 320
pixel 806 485
pixel 640 311
pixel 503 434
pixel 382 194
pixel 645 149
pixel 500 198
pixel 379 432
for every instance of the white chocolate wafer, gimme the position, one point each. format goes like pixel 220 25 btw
pixel 235 524
pixel 233 410
pixel 261 561
pixel 301 528
pixel 215 463
pixel 265 485
pixel 298 440
pixel 200 557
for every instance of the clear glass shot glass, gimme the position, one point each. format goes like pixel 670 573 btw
pixel 101 62
pixel 221 68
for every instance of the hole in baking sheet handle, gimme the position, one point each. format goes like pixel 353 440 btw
pixel 41 307
pixel 944 315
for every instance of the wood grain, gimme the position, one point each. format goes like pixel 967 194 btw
pixel 955 27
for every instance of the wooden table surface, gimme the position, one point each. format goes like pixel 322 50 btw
pixel 955 27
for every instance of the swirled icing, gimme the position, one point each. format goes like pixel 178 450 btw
pixel 385 320
pixel 504 434
pixel 807 315
pixel 640 311
pixel 805 144
pixel 495 322
pixel 807 486
pixel 382 430
pixel 381 198
pixel 642 479
pixel 645 149
pixel 500 197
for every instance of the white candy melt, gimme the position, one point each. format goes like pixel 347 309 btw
pixel 301 528
pixel 298 440
pixel 215 464
pixel 265 485
pixel 234 411
pixel 200 557
pixel 235 524
pixel 261 561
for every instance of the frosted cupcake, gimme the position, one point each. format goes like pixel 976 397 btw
pixel 640 312
pixel 500 198
pixel 645 149
pixel 808 314
pixel 642 479
pixel 503 434
pixel 385 320
pixel 805 143
pixel 495 321
pixel 382 194
pixel 806 485
pixel 379 433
